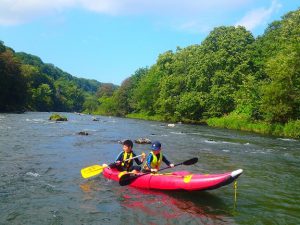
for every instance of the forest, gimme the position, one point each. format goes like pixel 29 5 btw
pixel 231 79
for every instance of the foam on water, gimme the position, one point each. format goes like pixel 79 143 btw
pixel 32 174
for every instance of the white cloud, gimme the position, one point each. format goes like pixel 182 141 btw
pixel 259 16
pixel 167 7
pixel 14 12
pixel 22 11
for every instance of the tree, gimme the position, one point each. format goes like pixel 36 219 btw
pixel 191 106
pixel 146 92
pixel 42 97
pixel 106 90
pixel 13 84
pixel 90 104
pixel 281 93
pixel 227 64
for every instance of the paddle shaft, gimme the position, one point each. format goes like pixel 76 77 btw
pixel 187 162
pixel 178 164
pixel 114 163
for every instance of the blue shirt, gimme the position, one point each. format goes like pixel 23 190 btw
pixel 150 158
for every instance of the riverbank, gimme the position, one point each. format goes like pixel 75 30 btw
pixel 143 116
pixel 240 122
pixel 237 122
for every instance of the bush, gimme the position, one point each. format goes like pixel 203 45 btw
pixel 242 122
pixel 292 129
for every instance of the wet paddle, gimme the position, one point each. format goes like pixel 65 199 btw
pixel 128 178
pixel 97 169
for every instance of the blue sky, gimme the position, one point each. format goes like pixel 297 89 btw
pixel 108 40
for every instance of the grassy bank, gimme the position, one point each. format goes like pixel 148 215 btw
pixel 144 116
pixel 241 122
pixel 233 121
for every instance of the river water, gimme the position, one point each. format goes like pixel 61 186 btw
pixel 40 181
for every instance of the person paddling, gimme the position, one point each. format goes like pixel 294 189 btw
pixel 155 158
pixel 126 154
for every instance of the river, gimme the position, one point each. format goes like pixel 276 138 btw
pixel 40 181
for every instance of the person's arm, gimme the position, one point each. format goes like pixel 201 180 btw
pixel 137 160
pixel 119 157
pixel 166 161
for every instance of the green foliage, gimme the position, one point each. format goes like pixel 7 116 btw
pixel 191 106
pixel 292 129
pixel 106 90
pixel 145 116
pixel 281 93
pixel 122 97
pixel 57 117
pixel 247 98
pixel 28 83
pixel 42 98
pixel 90 104
pixel 228 50
pixel 13 85
pixel 108 106
pixel 240 122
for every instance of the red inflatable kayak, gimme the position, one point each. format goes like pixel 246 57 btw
pixel 179 180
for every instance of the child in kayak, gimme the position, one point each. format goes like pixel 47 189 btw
pixel 155 158
pixel 126 154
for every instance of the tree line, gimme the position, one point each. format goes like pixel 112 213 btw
pixel 231 79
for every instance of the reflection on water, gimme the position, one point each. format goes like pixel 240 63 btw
pixel 184 207
pixel 174 207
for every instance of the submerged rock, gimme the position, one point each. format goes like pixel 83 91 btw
pixel 83 133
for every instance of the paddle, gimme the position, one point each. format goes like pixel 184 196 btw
pixel 128 178
pixel 97 169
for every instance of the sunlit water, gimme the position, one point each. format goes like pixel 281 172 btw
pixel 40 181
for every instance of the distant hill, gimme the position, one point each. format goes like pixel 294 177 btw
pixel 27 83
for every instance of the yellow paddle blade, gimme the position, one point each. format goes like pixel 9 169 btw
pixel 92 171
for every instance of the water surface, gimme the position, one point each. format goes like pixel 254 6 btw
pixel 40 180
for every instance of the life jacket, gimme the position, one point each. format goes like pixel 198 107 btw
pixel 155 164
pixel 127 156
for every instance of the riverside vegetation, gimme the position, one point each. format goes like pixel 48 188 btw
pixel 232 80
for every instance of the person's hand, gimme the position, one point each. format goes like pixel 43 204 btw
pixel 171 165
pixel 118 162
pixel 154 170
pixel 143 157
